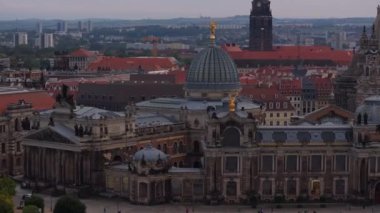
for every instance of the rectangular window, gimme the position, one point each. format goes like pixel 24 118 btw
pixel 3 148
pixel 291 163
pixel 231 165
pixel 267 187
pixel 378 165
pixel 340 187
pixel 316 163
pixel 372 165
pixel 340 163
pixel 291 187
pixel 267 163
pixel 198 188
pixel 18 147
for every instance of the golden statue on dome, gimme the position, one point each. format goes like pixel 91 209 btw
pixel 232 104
pixel 213 26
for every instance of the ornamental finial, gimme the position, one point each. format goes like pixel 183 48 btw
pixel 213 30
pixel 232 104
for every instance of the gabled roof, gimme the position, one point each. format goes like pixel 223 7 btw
pixel 56 137
pixel 330 110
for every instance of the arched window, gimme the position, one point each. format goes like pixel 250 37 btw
pixel 231 137
pixel 159 147
pixel 175 148
pixel 17 125
pixel 359 119
pixel 196 147
pixel 365 119
pixel 181 148
pixel 18 147
pixel 143 190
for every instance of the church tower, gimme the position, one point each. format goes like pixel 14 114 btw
pixel 261 24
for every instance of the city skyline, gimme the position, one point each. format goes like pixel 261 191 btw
pixel 164 9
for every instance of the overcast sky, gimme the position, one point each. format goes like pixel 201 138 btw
pixel 158 9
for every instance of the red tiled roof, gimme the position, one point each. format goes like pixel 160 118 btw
pixel 146 63
pixel 40 100
pixel 82 53
pixel 340 57
pixel 262 94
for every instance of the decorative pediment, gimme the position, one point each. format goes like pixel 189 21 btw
pixel 49 135
pixel 329 113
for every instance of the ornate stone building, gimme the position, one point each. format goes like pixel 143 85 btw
pixel 205 149
pixel 261 26
pixel 16 122
pixel 363 78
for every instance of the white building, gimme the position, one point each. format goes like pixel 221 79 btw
pixel 47 40
pixel 21 38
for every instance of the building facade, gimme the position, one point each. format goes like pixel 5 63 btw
pixel 363 78
pixel 15 123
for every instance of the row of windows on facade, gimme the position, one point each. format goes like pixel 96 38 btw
pixel 316 163
pixel 267 187
pixel 292 185
pixel 362 119
pixel 278 123
pixel 4 150
pixel 278 105
pixel 285 114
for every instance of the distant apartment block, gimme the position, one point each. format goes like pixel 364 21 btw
pixel 62 27
pixel 20 38
pixel 47 40
pixel 39 28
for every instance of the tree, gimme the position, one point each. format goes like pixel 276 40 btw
pixel 7 187
pixel 30 209
pixel 5 206
pixel 69 204
pixel 35 201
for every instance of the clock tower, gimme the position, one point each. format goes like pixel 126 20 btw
pixel 261 23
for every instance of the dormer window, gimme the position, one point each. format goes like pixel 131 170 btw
pixel 270 105
pixel 278 105
pixel 285 105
